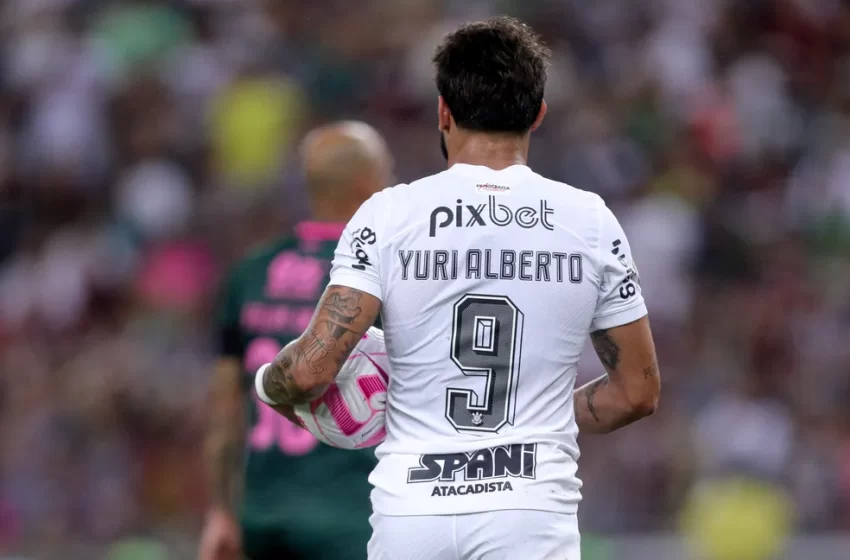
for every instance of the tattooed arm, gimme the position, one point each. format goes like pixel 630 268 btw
pixel 305 367
pixel 630 389
pixel 225 438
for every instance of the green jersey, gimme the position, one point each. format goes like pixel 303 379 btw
pixel 306 496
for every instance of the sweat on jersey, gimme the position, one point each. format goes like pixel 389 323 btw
pixel 490 282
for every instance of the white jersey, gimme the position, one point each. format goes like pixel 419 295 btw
pixel 490 283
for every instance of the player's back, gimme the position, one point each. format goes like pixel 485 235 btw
pixel 492 281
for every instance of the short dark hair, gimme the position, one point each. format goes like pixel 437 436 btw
pixel 491 75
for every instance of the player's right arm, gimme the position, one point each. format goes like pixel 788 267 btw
pixel 225 439
pixel 622 338
pixel 350 305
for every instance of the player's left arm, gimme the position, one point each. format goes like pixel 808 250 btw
pixel 351 304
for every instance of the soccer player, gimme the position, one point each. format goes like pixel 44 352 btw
pixel 297 493
pixel 488 279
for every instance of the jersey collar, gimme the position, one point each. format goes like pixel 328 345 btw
pixel 479 171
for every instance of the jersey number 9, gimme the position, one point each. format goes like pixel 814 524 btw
pixel 486 342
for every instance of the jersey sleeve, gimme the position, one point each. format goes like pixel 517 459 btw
pixel 620 300
pixel 356 264
pixel 229 338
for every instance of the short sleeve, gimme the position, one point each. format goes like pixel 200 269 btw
pixel 620 300
pixel 227 318
pixel 356 264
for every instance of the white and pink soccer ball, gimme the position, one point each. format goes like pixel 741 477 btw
pixel 352 412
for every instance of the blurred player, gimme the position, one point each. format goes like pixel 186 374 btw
pixel 488 279
pixel 296 493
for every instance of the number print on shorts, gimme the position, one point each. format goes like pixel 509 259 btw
pixel 486 341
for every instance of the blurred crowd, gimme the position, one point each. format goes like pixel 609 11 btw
pixel 144 144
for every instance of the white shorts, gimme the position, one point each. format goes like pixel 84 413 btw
pixel 495 535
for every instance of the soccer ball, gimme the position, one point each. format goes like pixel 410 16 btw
pixel 351 414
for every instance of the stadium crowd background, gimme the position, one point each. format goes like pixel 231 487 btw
pixel 145 144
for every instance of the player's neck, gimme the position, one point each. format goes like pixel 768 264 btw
pixel 494 151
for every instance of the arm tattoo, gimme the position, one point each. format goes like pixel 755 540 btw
pixel 225 441
pixel 227 483
pixel 591 394
pixel 313 350
pixel 342 309
pixel 279 381
pixel 322 347
pixel 606 348
pixel 651 371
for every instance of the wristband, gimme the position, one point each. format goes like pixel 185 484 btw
pixel 258 385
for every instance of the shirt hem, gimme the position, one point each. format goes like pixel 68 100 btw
pixel 536 505
pixel 620 318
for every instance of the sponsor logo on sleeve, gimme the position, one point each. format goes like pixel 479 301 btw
pixel 628 287
pixel 361 238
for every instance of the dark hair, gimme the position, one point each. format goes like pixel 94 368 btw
pixel 491 75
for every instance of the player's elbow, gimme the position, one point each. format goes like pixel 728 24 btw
pixel 643 400
pixel 644 407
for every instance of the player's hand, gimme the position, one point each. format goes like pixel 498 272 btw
pixel 222 538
